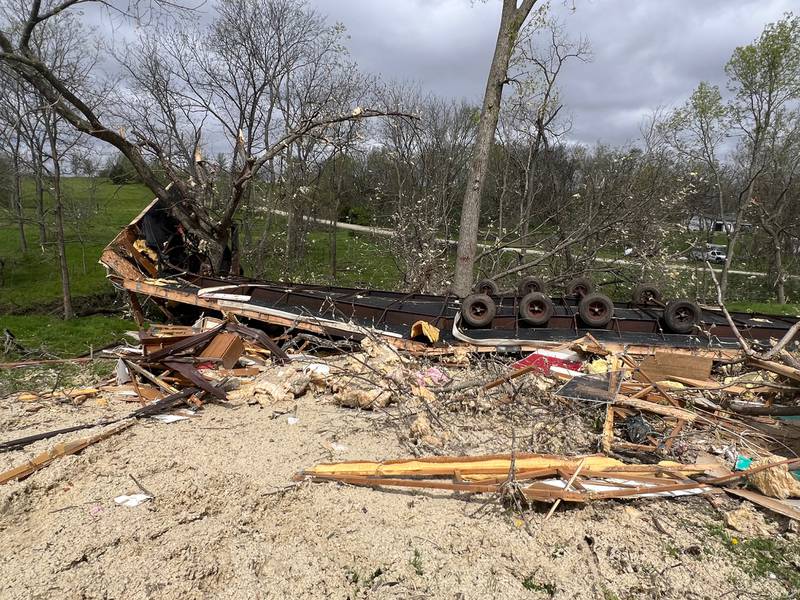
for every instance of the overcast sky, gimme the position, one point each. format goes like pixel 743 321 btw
pixel 646 52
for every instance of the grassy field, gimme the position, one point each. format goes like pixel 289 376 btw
pixel 95 214
pixel 361 260
pixel 52 336
pixel 30 286
pixel 31 283
pixel 767 308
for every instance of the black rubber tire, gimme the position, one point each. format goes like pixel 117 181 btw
pixel 580 286
pixel 487 287
pixel 530 284
pixel 596 310
pixel 681 316
pixel 646 293
pixel 478 310
pixel 536 309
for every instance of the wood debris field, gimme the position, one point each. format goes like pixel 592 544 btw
pixel 218 461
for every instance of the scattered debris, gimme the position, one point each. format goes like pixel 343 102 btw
pixel 63 449
pixel 672 423
pixel 172 366
pixel 777 482
pixel 745 520
pixel 133 500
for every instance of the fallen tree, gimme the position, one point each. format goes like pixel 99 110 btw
pixel 164 143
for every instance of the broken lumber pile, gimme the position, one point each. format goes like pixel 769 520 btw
pixel 541 478
pixel 173 366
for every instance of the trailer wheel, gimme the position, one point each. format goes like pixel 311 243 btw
pixel 530 284
pixel 535 309
pixel 681 316
pixel 478 310
pixel 596 310
pixel 580 286
pixel 486 286
pixel 646 293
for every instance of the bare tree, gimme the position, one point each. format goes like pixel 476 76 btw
pixel 535 106
pixel 58 197
pixel 185 197
pixel 424 174
pixel 512 19
pixel 12 111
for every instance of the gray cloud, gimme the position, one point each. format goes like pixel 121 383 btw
pixel 646 53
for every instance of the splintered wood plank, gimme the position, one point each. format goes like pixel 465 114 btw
pixel 779 506
pixel 776 368
pixel 659 409
pixel 59 450
pixel 120 265
pixel 663 365
pixel 608 430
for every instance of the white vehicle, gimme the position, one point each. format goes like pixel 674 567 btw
pixel 714 255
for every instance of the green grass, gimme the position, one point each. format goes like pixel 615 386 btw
pixel 96 212
pixel 49 335
pixel 530 584
pixel 361 260
pixel 767 308
pixel 416 562
pixel 763 557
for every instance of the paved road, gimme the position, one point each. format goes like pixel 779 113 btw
pixel 611 261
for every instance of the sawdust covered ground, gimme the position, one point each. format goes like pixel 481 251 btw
pixel 226 521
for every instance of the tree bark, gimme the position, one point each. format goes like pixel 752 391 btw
pixel 780 283
pixel 38 174
pixel 17 199
pixel 334 218
pixel 511 22
pixel 734 237
pixel 59 213
pixel 777 260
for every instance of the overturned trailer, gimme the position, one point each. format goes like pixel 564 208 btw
pixel 152 257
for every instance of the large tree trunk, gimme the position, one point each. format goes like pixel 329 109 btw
pixel 510 23
pixel 59 212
